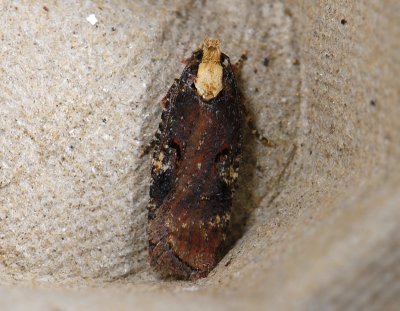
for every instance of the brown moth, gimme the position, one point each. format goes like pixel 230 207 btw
pixel 195 166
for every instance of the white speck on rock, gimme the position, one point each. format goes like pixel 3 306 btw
pixel 92 19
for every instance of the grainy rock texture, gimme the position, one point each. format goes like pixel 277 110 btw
pixel 316 217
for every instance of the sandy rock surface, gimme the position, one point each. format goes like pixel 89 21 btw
pixel 315 218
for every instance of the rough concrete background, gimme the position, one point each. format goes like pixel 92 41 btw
pixel 317 216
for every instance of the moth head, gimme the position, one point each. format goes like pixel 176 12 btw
pixel 211 50
pixel 209 75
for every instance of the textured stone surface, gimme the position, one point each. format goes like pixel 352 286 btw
pixel 81 100
pixel 317 216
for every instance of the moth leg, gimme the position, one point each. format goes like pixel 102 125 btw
pixel 265 140
pixel 250 124
pixel 147 148
pixel 164 103
pixel 237 67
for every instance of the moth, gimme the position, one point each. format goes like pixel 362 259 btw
pixel 195 166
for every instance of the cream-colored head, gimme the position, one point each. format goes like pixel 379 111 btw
pixel 209 75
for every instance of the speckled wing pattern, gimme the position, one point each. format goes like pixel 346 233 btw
pixel 194 169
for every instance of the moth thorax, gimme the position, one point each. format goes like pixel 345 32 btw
pixel 209 75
